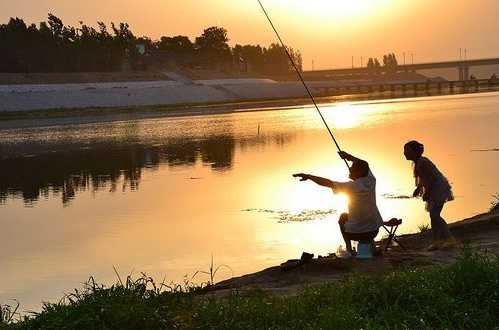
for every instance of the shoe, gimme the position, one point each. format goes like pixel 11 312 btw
pixel 344 254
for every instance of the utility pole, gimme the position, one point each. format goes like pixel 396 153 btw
pixel 352 62
pixel 404 58
pixel 465 55
pixel 460 54
pixel 362 61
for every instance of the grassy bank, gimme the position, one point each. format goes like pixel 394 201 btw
pixel 464 295
pixel 178 109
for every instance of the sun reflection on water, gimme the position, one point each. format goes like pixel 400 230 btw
pixel 347 115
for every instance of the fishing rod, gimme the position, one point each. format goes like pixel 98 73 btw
pixel 301 78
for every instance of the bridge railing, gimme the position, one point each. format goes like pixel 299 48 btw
pixel 373 87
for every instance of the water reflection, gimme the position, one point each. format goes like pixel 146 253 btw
pixel 173 225
pixel 115 166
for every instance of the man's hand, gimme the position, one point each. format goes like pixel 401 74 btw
pixel 416 192
pixel 302 176
pixel 317 179
pixel 344 155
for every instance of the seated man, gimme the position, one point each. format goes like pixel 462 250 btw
pixel 363 219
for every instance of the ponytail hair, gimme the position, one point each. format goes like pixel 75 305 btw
pixel 415 146
pixel 418 149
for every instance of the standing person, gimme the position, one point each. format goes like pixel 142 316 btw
pixel 363 219
pixel 435 190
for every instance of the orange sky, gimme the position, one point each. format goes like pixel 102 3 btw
pixel 329 32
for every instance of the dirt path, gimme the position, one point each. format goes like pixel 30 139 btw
pixel 481 232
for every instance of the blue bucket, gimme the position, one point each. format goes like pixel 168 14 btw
pixel 364 251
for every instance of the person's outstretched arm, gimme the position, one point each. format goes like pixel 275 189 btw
pixel 317 179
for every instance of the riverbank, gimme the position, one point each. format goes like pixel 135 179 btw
pixel 48 117
pixel 411 288
pixel 481 232
pixel 20 119
pixel 177 91
pixel 454 288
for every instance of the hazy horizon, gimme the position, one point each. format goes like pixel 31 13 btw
pixel 326 32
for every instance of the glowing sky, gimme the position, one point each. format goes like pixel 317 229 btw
pixel 329 32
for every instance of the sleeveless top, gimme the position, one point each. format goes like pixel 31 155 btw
pixel 435 188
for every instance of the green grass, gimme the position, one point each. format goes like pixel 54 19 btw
pixel 8 313
pixel 494 205
pixel 462 296
pixel 423 227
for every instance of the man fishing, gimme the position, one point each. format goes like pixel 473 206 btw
pixel 363 219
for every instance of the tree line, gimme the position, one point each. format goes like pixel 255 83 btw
pixel 53 46
pixel 390 63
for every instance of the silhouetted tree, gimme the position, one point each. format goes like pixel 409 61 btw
pixel 276 59
pixel 298 59
pixel 176 45
pixel 390 63
pixel 370 63
pixel 213 48
pixel 54 47
pixel 251 57
pixel 373 65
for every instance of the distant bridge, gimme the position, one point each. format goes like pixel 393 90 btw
pixel 462 66
pixel 404 88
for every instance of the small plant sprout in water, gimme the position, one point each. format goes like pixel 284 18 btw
pixel 424 227
pixel 212 273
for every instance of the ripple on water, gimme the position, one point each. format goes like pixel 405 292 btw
pixel 284 216
pixel 395 196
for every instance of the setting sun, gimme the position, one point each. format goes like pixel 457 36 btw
pixel 336 9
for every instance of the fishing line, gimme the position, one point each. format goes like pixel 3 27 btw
pixel 301 78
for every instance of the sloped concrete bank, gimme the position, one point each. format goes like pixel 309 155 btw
pixel 15 98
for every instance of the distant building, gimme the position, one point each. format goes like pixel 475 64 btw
pixel 141 49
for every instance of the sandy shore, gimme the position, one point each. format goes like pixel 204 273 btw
pixel 481 232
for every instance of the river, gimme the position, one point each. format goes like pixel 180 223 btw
pixel 162 196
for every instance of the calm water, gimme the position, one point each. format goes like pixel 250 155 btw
pixel 163 195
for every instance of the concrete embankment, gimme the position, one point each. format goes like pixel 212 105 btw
pixel 126 94
pixel 175 89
